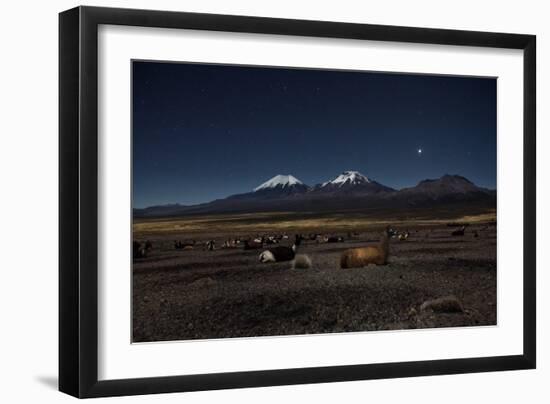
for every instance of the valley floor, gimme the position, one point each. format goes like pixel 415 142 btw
pixel 198 294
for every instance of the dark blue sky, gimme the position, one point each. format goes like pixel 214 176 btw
pixel 202 132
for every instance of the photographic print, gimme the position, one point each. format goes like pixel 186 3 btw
pixel 271 201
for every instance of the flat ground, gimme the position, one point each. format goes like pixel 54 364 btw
pixel 196 294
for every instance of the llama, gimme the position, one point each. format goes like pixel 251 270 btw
pixel 231 243
pixel 459 232
pixel 179 245
pixel 403 236
pixel 210 245
pixel 138 250
pixel 281 253
pixel 254 244
pixel 363 256
pixel 271 240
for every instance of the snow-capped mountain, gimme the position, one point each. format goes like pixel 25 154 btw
pixel 351 183
pixel 280 181
pixel 348 177
pixel 278 187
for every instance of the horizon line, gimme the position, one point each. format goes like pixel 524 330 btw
pixel 309 186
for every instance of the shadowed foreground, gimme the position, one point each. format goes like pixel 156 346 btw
pixel 196 294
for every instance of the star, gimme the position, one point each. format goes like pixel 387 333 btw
pixel 419 151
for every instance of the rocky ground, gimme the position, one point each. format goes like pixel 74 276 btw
pixel 197 294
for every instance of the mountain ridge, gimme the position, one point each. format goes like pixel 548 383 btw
pixel 349 190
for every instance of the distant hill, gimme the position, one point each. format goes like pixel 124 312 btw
pixel 449 188
pixel 159 210
pixel 349 190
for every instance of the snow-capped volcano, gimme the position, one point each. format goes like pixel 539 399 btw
pixel 279 181
pixel 348 177
pixel 351 183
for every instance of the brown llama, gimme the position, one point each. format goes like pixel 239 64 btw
pixel 363 256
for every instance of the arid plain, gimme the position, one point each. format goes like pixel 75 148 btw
pixel 211 290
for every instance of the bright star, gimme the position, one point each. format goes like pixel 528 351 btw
pixel 419 151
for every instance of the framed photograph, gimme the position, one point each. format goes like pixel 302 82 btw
pixel 251 201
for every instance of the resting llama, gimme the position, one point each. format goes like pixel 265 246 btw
pixel 363 256
pixel 281 253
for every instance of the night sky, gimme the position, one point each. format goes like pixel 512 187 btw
pixel 202 132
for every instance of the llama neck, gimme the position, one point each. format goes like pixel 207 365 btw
pixel 385 244
pixel 296 244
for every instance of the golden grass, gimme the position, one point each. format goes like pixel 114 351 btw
pixel 288 222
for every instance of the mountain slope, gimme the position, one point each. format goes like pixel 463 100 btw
pixel 278 186
pixel 279 181
pixel 351 183
pixel 448 188
pixel 159 210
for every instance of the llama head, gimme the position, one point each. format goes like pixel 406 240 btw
pixel 267 256
pixel 390 233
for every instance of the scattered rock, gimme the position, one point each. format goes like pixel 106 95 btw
pixel 301 261
pixel 447 304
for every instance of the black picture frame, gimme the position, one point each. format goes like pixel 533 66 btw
pixel 78 206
